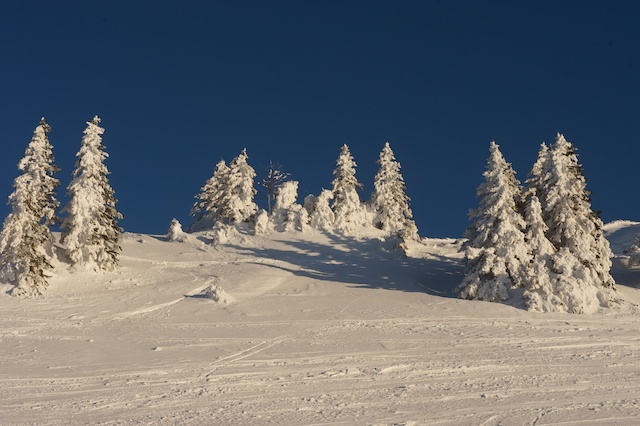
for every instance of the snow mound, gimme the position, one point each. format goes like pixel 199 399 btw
pixel 216 293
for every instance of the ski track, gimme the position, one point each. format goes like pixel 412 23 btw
pixel 295 349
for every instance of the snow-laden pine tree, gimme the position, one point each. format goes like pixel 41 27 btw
pixel 26 243
pixel 496 253
pixel 389 201
pixel 237 203
pixel 572 224
pixel 91 232
pixel 536 184
pixel 350 213
pixel 209 206
pixel 539 294
pixel 320 214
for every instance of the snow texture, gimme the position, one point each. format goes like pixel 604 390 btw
pixel 321 329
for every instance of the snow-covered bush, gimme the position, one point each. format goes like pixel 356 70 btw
pixel 321 215
pixel 261 225
pixel 175 232
pixel 26 243
pixel 91 232
pixel 287 214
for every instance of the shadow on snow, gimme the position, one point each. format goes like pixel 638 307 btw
pixel 365 263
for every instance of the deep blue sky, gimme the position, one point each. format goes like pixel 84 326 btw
pixel 180 85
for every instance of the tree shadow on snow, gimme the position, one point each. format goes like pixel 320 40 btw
pixel 363 263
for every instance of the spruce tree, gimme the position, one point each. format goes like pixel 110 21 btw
pixel 536 184
pixel 26 243
pixel 237 202
pixel 347 207
pixel 496 253
pixel 91 232
pixel 389 201
pixel 572 224
pixel 539 294
pixel 209 205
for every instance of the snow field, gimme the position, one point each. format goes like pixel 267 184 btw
pixel 319 329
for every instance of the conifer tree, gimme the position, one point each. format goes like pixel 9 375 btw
pixel 536 184
pixel 26 243
pixel 496 254
pixel 347 207
pixel 572 224
pixel 210 201
pixel 539 294
pixel 91 232
pixel 389 201
pixel 237 203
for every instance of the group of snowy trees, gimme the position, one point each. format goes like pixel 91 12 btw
pixel 542 245
pixel 228 198
pixel 90 234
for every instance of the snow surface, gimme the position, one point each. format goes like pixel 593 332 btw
pixel 313 328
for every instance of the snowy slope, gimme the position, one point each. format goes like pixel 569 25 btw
pixel 316 329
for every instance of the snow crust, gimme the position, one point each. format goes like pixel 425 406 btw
pixel 226 327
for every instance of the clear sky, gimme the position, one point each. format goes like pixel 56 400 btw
pixel 181 84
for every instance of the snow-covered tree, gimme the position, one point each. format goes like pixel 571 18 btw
pixel 287 214
pixel 91 232
pixel 496 254
pixel 539 294
pixel 320 214
pixel 571 221
pixel 210 201
pixel 347 206
pixel 237 203
pixel 275 178
pixel 389 201
pixel 26 243
pixel 536 184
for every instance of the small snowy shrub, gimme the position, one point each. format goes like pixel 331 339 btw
pixel 321 216
pixel 261 225
pixel 175 232
pixel 287 215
